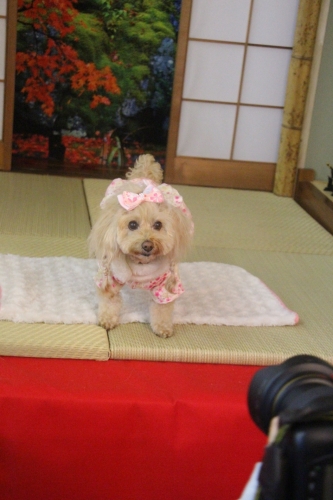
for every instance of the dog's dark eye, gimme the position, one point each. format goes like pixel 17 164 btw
pixel 133 225
pixel 157 225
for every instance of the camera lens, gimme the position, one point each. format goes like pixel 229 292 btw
pixel 292 384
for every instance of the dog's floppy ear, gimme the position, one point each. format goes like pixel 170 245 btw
pixel 183 234
pixel 103 236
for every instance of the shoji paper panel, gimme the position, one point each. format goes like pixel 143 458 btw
pixel 273 22
pixel 220 20
pixel 265 76
pixel 258 134
pixel 2 47
pixel 206 130
pixel 213 71
pixel 3 7
pixel 2 89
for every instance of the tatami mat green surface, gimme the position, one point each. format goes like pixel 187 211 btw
pixel 95 190
pixel 269 236
pixel 43 246
pixel 229 218
pixel 53 341
pixel 254 220
pixel 303 282
pixel 44 216
pixel 42 205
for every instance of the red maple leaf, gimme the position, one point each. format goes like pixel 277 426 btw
pixel 60 62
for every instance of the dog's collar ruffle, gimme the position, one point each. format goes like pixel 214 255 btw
pixel 152 192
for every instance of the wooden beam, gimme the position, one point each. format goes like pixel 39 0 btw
pixel 177 90
pixel 6 156
pixel 222 173
pixel 315 203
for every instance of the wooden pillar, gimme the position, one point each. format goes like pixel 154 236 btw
pixel 8 110
pixel 297 88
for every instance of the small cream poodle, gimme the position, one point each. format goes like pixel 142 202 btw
pixel 143 231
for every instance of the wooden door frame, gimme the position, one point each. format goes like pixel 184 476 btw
pixel 9 94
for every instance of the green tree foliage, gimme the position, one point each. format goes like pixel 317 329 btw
pixel 123 36
pixel 136 30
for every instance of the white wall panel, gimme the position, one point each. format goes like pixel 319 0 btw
pixel 258 134
pixel 213 71
pixel 220 19
pixel 265 76
pixel 206 129
pixel 273 22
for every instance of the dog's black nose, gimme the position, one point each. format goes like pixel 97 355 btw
pixel 147 246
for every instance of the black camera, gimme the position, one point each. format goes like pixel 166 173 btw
pixel 297 396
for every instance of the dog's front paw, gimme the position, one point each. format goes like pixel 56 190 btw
pixel 108 322
pixel 161 319
pixel 108 313
pixel 163 331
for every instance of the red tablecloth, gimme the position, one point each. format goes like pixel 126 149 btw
pixel 124 430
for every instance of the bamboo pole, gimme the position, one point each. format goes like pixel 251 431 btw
pixel 297 88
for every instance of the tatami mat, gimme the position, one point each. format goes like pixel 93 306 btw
pixel 42 205
pixel 303 282
pixel 229 218
pixel 44 216
pixel 95 190
pixel 254 220
pixel 53 341
pixel 43 246
pixel 269 236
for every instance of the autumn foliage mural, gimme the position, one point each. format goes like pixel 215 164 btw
pixel 93 79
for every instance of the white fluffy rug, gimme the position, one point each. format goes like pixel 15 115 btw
pixel 62 290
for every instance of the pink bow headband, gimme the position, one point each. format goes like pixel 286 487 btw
pixel 152 193
pixel 130 200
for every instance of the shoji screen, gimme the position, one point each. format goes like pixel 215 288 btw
pixel 231 80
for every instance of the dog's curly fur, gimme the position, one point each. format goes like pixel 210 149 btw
pixel 163 232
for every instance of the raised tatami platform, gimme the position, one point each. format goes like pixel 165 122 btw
pixel 269 236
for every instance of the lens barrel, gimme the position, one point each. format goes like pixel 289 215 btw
pixel 292 384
